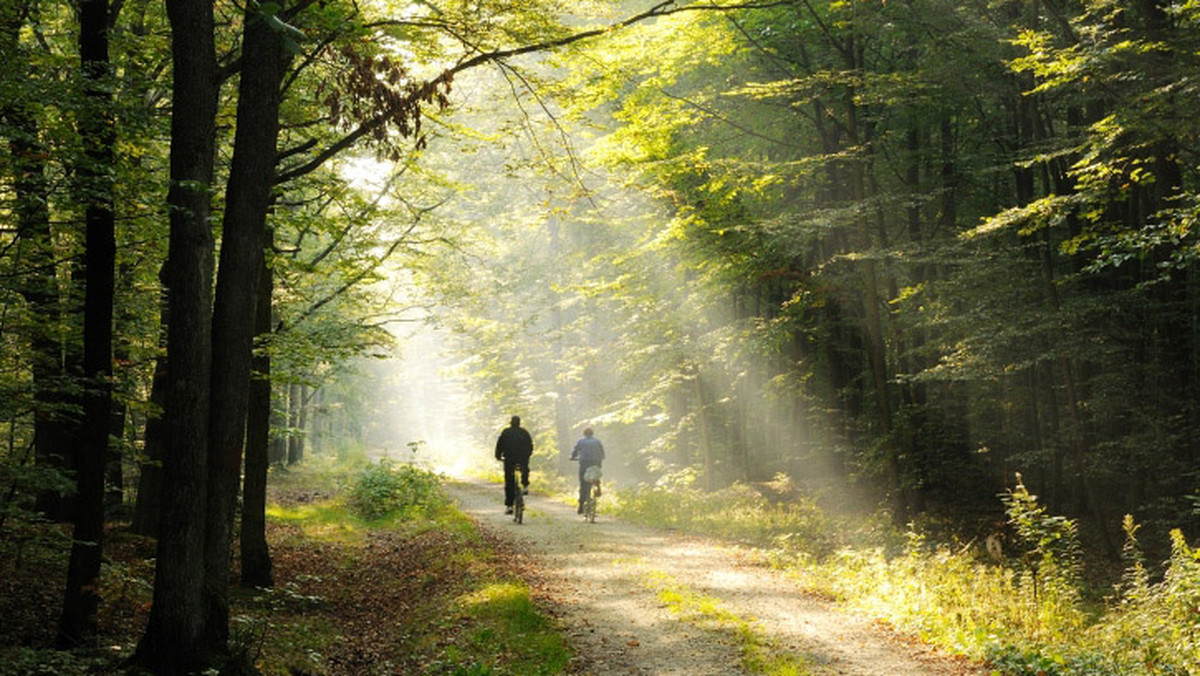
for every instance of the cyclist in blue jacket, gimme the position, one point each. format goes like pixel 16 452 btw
pixel 590 453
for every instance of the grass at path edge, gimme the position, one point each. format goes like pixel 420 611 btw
pixel 471 614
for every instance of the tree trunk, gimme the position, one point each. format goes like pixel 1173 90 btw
pixel 96 129
pixel 55 425
pixel 256 557
pixel 302 423
pixel 171 643
pixel 114 466
pixel 706 453
pixel 147 512
pixel 278 447
pixel 247 199
pixel 295 452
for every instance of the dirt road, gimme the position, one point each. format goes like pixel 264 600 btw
pixel 605 582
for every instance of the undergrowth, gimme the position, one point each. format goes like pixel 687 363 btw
pixel 375 572
pixel 420 589
pixel 1028 614
pixel 386 489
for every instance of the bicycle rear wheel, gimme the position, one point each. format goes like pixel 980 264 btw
pixel 589 511
pixel 519 508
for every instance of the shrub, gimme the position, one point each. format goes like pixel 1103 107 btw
pixel 1154 628
pixel 386 489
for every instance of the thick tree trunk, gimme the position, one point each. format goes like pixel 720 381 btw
pixel 256 557
pixel 96 129
pixel 171 644
pixel 247 199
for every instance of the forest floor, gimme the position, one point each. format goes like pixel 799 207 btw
pixel 609 598
pixel 634 600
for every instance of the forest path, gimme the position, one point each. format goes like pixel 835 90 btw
pixel 602 581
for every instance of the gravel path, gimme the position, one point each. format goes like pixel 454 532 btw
pixel 600 580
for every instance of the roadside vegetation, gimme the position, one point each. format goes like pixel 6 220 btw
pixel 1032 609
pixel 376 573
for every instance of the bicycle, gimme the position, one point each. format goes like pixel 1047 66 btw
pixel 592 477
pixel 589 506
pixel 519 505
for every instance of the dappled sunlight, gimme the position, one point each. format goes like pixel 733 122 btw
pixel 320 521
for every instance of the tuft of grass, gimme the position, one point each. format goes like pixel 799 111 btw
pixel 324 521
pixel 759 654
pixel 507 616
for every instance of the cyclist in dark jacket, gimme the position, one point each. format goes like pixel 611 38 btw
pixel 589 452
pixel 514 447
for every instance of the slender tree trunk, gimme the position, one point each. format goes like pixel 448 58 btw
pixel 706 453
pixel 147 513
pixel 116 476
pixel 114 466
pixel 320 423
pixel 295 452
pixel 873 319
pixel 256 557
pixel 96 129
pixel 278 447
pixel 302 423
pixel 247 200
pixel 171 644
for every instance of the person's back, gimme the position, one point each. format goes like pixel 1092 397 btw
pixel 589 450
pixel 590 453
pixel 514 444
pixel 514 447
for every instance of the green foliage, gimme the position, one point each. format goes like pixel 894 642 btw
pixel 24 661
pixel 1152 628
pixel 385 489
pixel 1053 555
pixel 22 530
